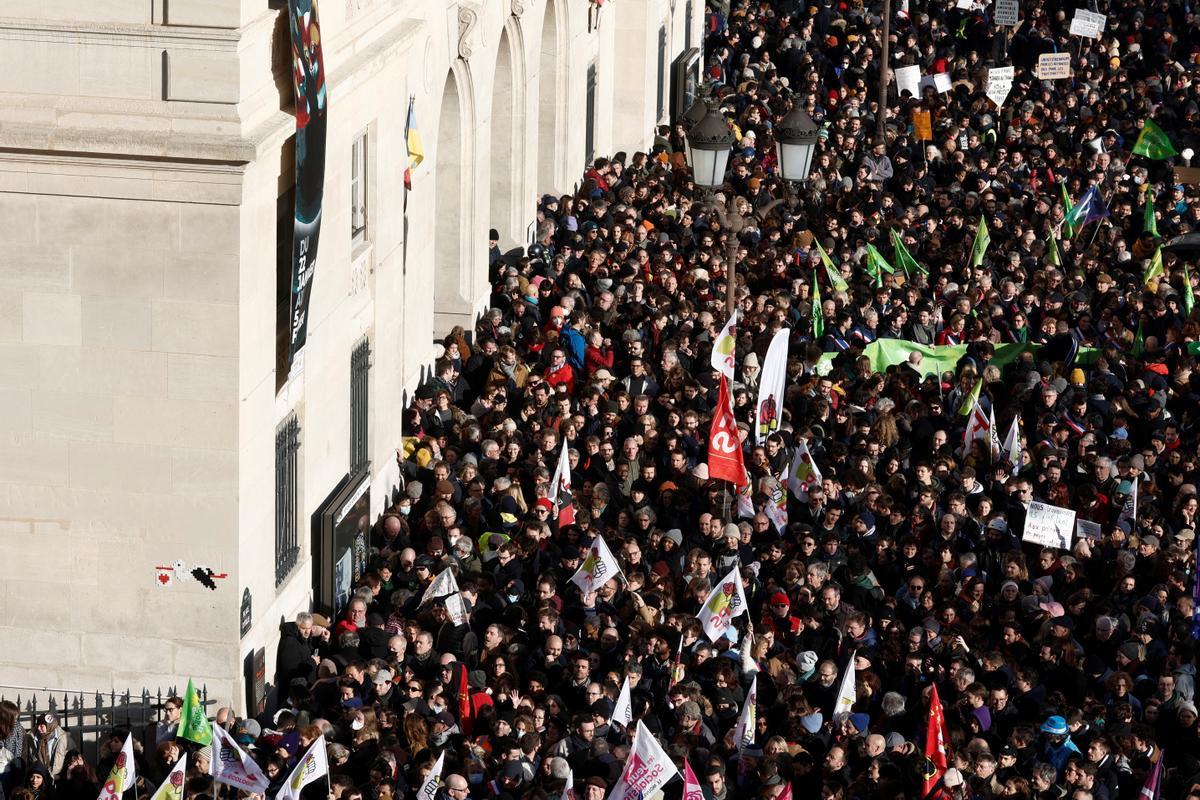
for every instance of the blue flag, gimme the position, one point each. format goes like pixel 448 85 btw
pixel 1089 209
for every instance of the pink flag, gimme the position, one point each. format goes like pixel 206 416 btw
pixel 691 786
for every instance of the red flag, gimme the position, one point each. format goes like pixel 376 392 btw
pixel 937 755
pixel 466 716
pixel 724 445
pixel 786 794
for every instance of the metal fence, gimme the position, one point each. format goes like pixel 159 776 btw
pixel 90 716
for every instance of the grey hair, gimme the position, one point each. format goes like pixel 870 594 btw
pixel 893 704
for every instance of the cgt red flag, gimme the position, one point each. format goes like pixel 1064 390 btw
pixel 724 444
pixel 937 755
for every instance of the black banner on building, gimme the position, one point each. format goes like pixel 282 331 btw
pixel 312 101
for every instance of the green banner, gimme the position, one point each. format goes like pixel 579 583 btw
pixel 935 360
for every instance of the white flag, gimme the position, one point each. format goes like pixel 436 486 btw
pixel 568 792
pixel 993 434
pixel 123 774
pixel 724 603
pixel 598 567
pixel 1129 510
pixel 647 769
pixel 443 585
pixel 847 692
pixel 1012 445
pixel 560 493
pixel 232 765
pixel 313 766
pixel 430 786
pixel 771 387
pixel 745 496
pixel 977 428
pixel 743 734
pixel 803 472
pixel 623 710
pixel 172 785
pixel 723 356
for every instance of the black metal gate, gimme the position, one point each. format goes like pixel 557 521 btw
pixel 91 716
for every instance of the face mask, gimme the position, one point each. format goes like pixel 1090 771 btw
pixel 440 738
pixel 405 510
pixel 475 777
pixel 512 598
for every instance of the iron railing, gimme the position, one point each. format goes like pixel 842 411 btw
pixel 360 400
pixel 91 716
pixel 287 542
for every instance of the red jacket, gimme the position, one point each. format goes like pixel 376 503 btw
pixel 564 375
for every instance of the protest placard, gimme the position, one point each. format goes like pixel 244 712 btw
pixel 1049 525
pixel 999 84
pixel 940 82
pixel 908 79
pixel 1007 12
pixel 922 125
pixel 1087 23
pixel 1052 66
pixel 1086 529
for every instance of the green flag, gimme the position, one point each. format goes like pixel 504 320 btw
pixel 818 319
pixel 1068 206
pixel 1149 219
pixel 193 724
pixel 1189 299
pixel 1153 143
pixel 982 240
pixel 1052 254
pixel 972 398
pixel 1154 269
pixel 835 277
pixel 904 258
pixel 877 265
pixel 1139 341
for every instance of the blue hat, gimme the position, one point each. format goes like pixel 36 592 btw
pixel 812 722
pixel 1056 726
pixel 860 722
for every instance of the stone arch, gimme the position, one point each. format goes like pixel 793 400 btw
pixel 552 101
pixel 507 142
pixel 453 208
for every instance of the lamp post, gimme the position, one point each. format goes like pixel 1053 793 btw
pixel 709 142
pixel 796 139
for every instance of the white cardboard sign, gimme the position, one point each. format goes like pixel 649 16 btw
pixel 1006 12
pixel 940 82
pixel 1088 24
pixel 908 79
pixel 999 84
pixel 1049 525
pixel 1052 66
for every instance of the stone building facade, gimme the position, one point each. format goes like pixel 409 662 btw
pixel 148 422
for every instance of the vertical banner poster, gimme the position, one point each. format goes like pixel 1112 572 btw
pixel 312 101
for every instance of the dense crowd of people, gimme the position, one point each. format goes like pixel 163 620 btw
pixel 1062 672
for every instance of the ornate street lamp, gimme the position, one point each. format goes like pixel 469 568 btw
pixel 796 138
pixel 709 142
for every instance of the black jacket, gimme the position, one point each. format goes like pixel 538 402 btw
pixel 294 659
